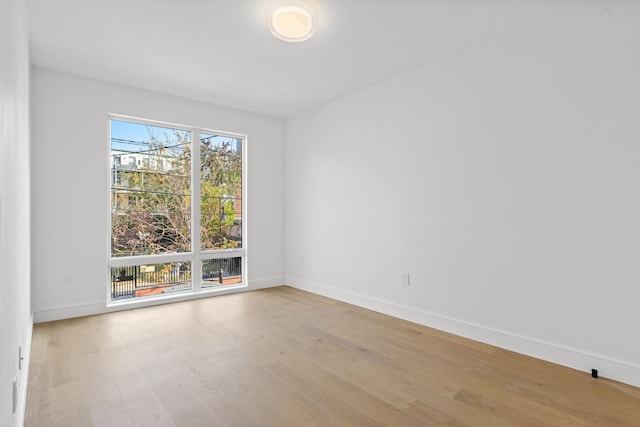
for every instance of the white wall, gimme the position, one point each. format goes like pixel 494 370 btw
pixel 70 183
pixel 504 178
pixel 15 310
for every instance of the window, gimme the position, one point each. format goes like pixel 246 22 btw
pixel 176 209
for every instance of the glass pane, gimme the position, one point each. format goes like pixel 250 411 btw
pixel 220 192
pixel 153 279
pixel 221 272
pixel 150 189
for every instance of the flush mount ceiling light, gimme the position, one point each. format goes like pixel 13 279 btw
pixel 292 23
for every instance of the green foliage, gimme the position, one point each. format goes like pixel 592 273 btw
pixel 151 203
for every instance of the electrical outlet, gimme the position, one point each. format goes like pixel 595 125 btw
pixel 301 261
pixel 406 280
pixel 66 278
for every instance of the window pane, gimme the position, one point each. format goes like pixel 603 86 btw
pixel 222 271
pixel 220 192
pixel 153 279
pixel 150 191
pixel 152 204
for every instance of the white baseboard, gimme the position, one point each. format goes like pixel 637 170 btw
pixel 607 367
pixel 266 283
pixel 68 312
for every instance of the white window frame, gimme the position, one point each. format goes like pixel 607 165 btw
pixel 196 256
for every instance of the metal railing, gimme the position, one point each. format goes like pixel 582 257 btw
pixel 138 280
pixel 215 271
pixel 125 281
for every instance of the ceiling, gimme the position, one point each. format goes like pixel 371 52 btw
pixel 221 51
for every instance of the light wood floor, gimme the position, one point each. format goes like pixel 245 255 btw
pixel 283 357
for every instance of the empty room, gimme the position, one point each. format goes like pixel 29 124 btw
pixel 319 213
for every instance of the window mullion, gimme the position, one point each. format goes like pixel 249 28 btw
pixel 196 265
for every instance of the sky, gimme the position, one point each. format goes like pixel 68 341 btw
pixel 124 135
pixel 135 132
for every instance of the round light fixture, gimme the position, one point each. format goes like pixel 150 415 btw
pixel 292 23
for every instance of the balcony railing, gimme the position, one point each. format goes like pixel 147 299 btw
pixel 223 271
pixel 133 281
pixel 142 280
